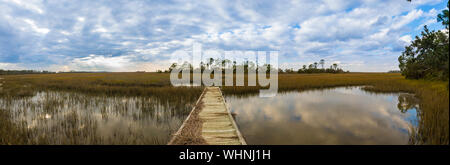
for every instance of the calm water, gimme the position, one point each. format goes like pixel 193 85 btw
pixel 345 115
pixel 333 116
pixel 74 118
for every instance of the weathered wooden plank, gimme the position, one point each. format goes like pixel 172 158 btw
pixel 218 126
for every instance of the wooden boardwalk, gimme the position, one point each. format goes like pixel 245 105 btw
pixel 217 125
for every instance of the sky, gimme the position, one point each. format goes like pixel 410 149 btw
pixel 137 35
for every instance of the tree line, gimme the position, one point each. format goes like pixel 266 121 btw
pixel 313 68
pixel 246 65
pixel 14 72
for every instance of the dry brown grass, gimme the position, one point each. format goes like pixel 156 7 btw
pixel 190 132
pixel 94 85
pixel 11 132
pixel 123 84
pixel 434 95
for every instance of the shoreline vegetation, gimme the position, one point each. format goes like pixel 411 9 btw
pixel 433 127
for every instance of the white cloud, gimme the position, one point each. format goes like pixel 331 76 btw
pixel 406 38
pixel 36 28
pixel 404 20
pixel 370 32
pixel 32 5
pixel 102 63
pixel 10 66
pixel 126 63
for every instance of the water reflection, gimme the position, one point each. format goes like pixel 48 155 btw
pixel 74 118
pixel 334 116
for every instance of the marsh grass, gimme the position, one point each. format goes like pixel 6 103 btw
pixel 93 108
pixel 122 84
pixel 74 118
pixel 432 127
pixel 11 132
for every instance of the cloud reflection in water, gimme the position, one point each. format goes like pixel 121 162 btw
pixel 334 116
